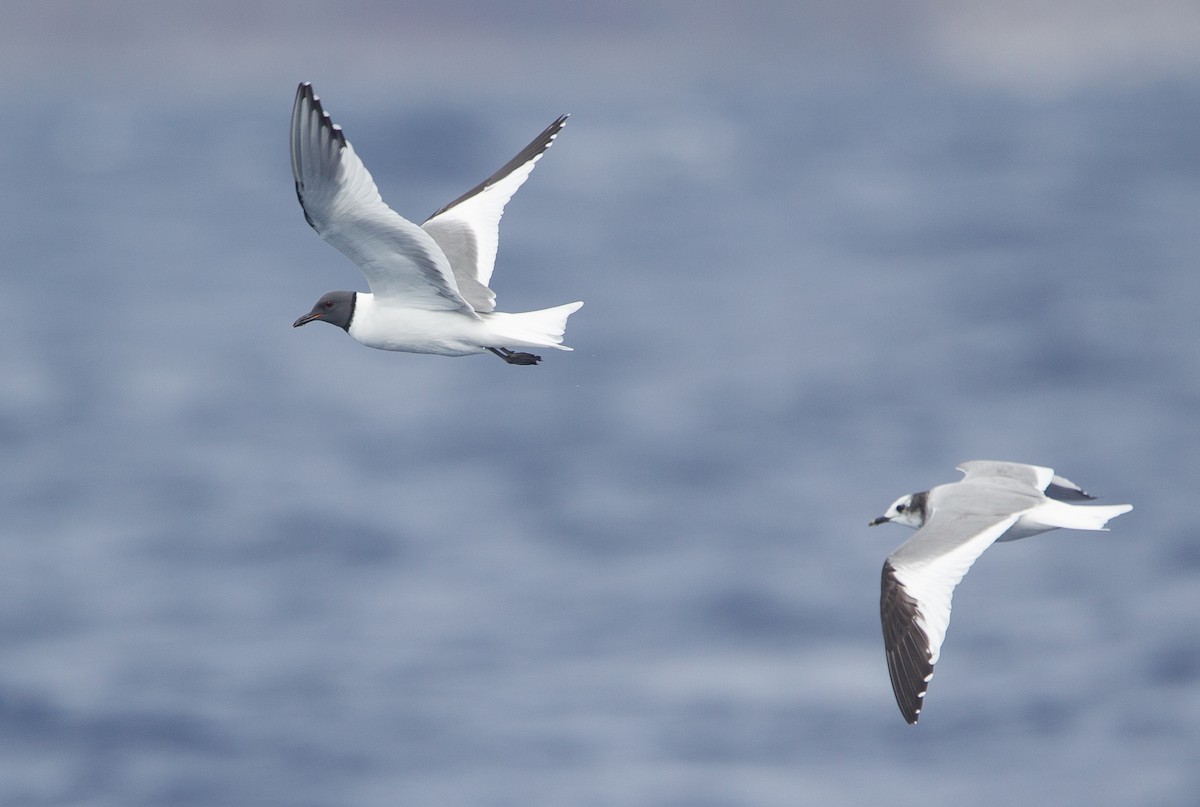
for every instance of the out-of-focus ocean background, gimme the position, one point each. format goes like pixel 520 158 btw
pixel 828 250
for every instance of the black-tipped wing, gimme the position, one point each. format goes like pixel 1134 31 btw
pixel 906 645
pixel 1035 476
pixel 918 585
pixel 402 263
pixel 1065 490
pixel 468 229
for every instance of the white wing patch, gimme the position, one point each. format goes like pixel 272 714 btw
pixel 931 581
pixel 468 229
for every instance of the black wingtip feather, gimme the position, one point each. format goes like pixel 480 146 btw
pixel 306 93
pixel 906 646
pixel 536 147
pixel 303 209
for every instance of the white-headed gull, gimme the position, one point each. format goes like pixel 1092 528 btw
pixel 429 284
pixel 955 523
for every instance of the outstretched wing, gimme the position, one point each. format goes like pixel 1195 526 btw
pixel 918 584
pixel 468 229
pixel 1036 476
pixel 403 265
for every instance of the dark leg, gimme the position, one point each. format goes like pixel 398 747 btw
pixel 512 357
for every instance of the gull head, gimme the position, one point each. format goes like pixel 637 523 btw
pixel 336 308
pixel 907 510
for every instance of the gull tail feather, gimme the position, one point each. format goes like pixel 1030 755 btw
pixel 542 328
pixel 1080 517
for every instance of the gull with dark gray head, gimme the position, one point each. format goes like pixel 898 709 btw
pixel 955 523
pixel 429 284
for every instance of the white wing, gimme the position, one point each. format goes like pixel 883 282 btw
pixel 917 587
pixel 919 578
pixel 403 265
pixel 468 229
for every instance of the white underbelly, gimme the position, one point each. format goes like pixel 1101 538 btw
pixel 445 333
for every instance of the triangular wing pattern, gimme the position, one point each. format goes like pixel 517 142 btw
pixel 1065 490
pixel 906 645
pixel 918 584
pixel 403 265
pixel 1035 476
pixel 468 229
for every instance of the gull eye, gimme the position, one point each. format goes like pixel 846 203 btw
pixel 329 303
pixel 900 508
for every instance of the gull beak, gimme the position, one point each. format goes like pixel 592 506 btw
pixel 307 318
pixel 878 521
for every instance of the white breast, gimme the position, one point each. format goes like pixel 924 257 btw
pixel 415 330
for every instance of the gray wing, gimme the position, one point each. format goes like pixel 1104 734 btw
pixel 403 265
pixel 468 229
pixel 1040 477
pixel 1035 476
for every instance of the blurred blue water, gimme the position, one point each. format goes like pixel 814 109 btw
pixel 250 565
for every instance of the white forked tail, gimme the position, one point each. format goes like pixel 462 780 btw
pixel 1078 516
pixel 543 328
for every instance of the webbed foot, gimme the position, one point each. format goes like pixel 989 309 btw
pixel 513 357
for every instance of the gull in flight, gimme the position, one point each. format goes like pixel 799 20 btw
pixel 429 284
pixel 955 523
